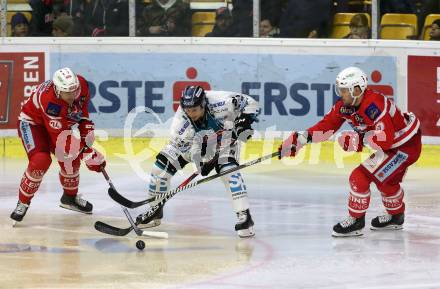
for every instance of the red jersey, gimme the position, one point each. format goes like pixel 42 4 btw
pixel 44 108
pixel 376 113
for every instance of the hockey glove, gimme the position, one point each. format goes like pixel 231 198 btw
pixel 94 160
pixel 207 167
pixel 87 132
pixel 351 141
pixel 291 146
pixel 243 126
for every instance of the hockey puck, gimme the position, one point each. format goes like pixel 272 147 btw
pixel 140 245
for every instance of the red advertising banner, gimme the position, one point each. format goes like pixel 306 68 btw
pixel 20 73
pixel 424 92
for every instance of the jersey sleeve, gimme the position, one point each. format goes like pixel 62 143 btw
pixel 328 125
pixel 182 132
pixel 85 93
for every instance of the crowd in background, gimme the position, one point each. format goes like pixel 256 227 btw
pixel 279 18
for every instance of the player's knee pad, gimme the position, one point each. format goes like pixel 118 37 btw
pixel 39 163
pixel 359 181
pixel 159 181
pixel 388 189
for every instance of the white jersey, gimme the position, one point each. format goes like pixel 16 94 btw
pixel 223 107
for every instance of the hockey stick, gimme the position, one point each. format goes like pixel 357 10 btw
pixel 108 229
pixel 164 197
pixel 146 217
pixel 131 204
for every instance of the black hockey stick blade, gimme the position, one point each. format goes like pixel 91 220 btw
pixel 120 199
pixel 110 230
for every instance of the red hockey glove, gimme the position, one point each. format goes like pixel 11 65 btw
pixel 292 145
pixel 87 132
pixel 350 141
pixel 94 160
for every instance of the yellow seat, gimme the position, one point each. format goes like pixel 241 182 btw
pixel 9 15
pixel 202 23
pixel 341 24
pixel 398 26
pixel 427 26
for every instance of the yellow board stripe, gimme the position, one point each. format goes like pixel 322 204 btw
pixel 328 152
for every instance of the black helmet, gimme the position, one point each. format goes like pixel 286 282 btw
pixel 192 96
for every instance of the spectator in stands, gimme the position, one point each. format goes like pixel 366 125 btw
pixel 435 30
pixel 62 26
pixel 242 14
pixel 19 25
pixel 306 18
pixel 42 17
pixel 359 27
pixel 106 18
pixel 223 24
pixel 267 29
pixel 165 18
pixel 271 10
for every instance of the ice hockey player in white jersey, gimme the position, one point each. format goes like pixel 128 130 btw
pixel 206 130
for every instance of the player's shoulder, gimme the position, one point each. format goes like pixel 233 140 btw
pixel 181 125
pixel 45 92
pixel 373 104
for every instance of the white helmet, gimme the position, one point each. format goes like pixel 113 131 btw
pixel 65 80
pixel 350 78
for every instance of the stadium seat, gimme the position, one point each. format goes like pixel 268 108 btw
pixel 398 26
pixel 341 24
pixel 427 26
pixel 202 23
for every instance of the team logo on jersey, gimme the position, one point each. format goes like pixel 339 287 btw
pixel 53 109
pixel 184 127
pixel 359 118
pixel 372 111
pixel 347 110
pixel 55 124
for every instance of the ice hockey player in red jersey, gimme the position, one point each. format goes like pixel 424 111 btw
pixel 378 123
pixel 45 126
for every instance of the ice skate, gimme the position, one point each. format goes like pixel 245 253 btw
pixel 245 224
pixel 157 217
pixel 18 214
pixel 388 222
pixel 350 227
pixel 76 203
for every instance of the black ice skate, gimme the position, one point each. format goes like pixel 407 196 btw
pixel 76 203
pixel 20 211
pixel 349 227
pixel 156 221
pixel 245 224
pixel 388 222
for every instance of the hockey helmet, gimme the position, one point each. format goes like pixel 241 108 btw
pixel 65 80
pixel 193 96
pixel 350 78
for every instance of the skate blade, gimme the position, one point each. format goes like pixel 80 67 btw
pixel 73 208
pixel 246 233
pixel 153 223
pixel 356 233
pixel 387 228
